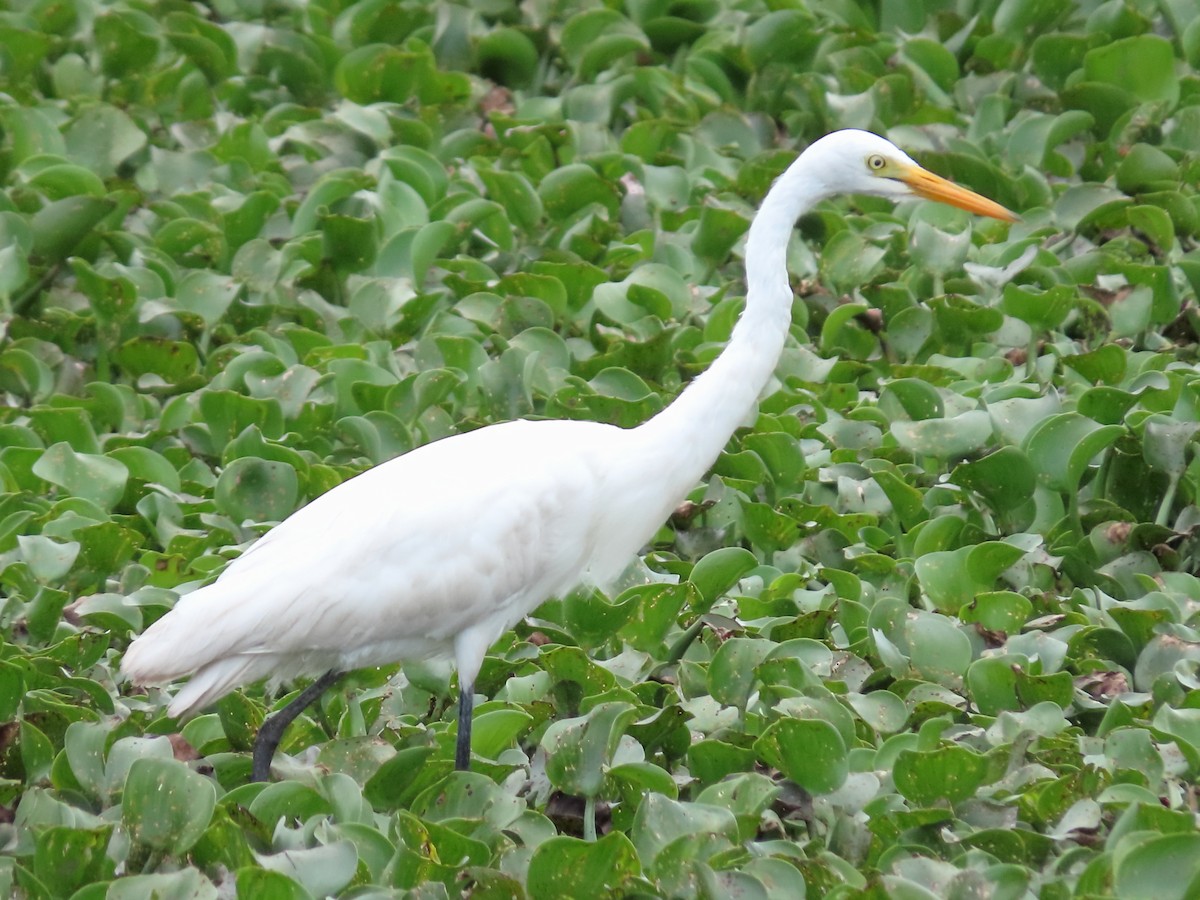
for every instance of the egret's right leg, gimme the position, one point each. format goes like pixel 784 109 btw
pixel 469 647
pixel 271 732
pixel 466 705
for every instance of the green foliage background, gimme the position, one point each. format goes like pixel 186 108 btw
pixel 929 628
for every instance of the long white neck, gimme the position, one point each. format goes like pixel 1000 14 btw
pixel 693 430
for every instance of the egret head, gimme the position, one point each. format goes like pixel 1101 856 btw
pixel 858 162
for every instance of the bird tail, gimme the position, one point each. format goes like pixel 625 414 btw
pixel 182 643
pixel 148 662
pixel 172 647
pixel 213 682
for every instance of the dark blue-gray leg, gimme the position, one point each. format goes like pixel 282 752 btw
pixel 271 732
pixel 466 704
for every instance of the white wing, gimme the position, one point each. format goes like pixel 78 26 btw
pixel 470 532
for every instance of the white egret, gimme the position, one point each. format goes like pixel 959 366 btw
pixel 439 551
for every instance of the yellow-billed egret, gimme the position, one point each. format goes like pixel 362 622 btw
pixel 438 552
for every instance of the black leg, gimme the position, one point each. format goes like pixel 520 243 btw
pixel 271 732
pixel 466 703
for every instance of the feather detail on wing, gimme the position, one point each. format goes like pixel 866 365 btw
pixel 393 564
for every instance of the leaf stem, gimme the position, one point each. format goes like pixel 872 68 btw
pixel 35 290
pixel 1164 508
pixel 589 818
pixel 685 640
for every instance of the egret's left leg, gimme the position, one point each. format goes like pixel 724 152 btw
pixel 271 732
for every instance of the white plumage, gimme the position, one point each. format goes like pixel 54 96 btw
pixel 438 552
pixel 368 573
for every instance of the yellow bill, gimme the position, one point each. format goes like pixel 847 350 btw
pixel 934 187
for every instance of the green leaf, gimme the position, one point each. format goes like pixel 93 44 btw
pixel 785 36
pixel 349 237
pixel 1057 688
pixel 568 189
pixel 1019 16
pixel 710 761
pixel 146 466
pixel 1043 311
pixel 335 186
pixel 186 884
pixel 208 46
pixel 717 232
pixel 1147 168
pixel 257 490
pixel 494 731
pixel 655 608
pixel 99 479
pixel 1005 479
pixel 747 796
pixel 206 294
pixel 1157 226
pixel 578 751
pixel 58 227
pixel 592 619
pixel 1143 65
pixel 810 752
pixel 960 321
pixel 392 784
pixel 66 859
pixel 112 299
pixel 883 711
pixel 513 191
pixel 12 689
pixel 1062 447
pixel 84 746
pixel 565 867
pixel 70 426
pixel 1083 204
pixel 952 438
pixel 661 821
pixel 47 559
pixel 288 799
pixel 1005 611
pixel 376 73
pixel 192 242
pixel 508 56
pixel 254 883
pixel 165 805
pixel 1166 442
pixel 911 398
pixel 24 374
pixel 950 774
pixel 1104 365
pixel 594 39
pixel 934 60
pixel 731 675
pixel 1105 404
pixel 937 250
pixel 717 572
pixel 937 649
pixel 101 138
pixel 1162 867
pixel 127 41
pixel 323 870
pixel 952 578
pixel 992 684
pixel 172 361
pixel 59 181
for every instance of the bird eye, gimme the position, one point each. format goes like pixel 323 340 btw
pixel 876 162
